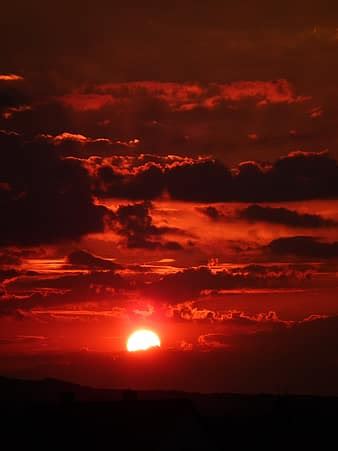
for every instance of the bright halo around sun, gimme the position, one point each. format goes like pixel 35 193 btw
pixel 143 339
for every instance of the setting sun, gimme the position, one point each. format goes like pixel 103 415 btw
pixel 143 339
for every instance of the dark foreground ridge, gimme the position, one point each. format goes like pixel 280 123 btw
pixel 50 412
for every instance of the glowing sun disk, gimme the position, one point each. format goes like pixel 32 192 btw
pixel 143 339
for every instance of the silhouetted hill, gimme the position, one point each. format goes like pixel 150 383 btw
pixel 156 420
pixel 20 390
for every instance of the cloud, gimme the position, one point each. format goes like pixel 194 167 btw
pixel 7 274
pixel 83 146
pixel 135 223
pixel 76 144
pixel 213 341
pixel 191 311
pixel 274 215
pixel 191 283
pixel 23 339
pixel 10 77
pixel 252 99
pixel 84 260
pixel 47 199
pixel 147 182
pixel 26 293
pixel 298 176
pixel 74 137
pixel 212 213
pixel 14 97
pixel 9 259
pixel 188 118
pixel 78 284
pixel 195 118
pixel 304 246
pixel 291 218
pixel 184 96
pixel 9 112
pixel 178 293
pixel 86 102
pixel 201 181
pixel 282 331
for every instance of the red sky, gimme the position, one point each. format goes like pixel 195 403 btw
pixel 171 166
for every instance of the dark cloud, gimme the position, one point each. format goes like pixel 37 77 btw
pixel 77 285
pixel 146 183
pixel 274 215
pixel 12 93
pixel 207 181
pixel 24 293
pixel 136 225
pixel 23 339
pixel 281 333
pixel 191 283
pixel 212 213
pixel 258 213
pixel 9 259
pixel 44 199
pixel 298 176
pixel 304 246
pixel 84 260
pixel 7 274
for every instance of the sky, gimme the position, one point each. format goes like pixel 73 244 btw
pixel 171 166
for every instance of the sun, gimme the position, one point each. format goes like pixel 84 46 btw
pixel 143 339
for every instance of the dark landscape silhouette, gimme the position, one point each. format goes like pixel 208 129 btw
pixel 52 411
